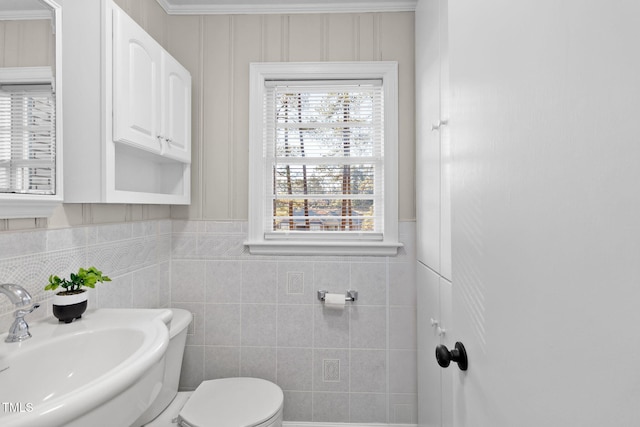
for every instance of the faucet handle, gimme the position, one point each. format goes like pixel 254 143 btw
pixel 23 312
pixel 19 330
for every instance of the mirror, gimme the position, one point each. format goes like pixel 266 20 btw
pixel 30 108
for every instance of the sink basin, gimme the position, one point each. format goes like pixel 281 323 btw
pixel 101 370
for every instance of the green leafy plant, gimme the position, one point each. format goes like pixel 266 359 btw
pixel 84 277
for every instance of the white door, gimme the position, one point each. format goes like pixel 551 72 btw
pixel 546 212
pixel 176 105
pixel 136 85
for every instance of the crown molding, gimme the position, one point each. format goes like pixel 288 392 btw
pixel 244 9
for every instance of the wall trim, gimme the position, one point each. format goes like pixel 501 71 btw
pixel 331 7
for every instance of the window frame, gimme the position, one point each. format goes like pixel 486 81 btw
pixel 20 111
pixel 321 244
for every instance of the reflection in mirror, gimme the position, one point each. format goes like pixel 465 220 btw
pixel 29 136
pixel 27 36
pixel 27 131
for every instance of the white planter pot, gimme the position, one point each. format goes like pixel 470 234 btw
pixel 69 299
pixel 68 308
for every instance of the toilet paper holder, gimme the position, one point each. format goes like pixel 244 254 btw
pixel 350 296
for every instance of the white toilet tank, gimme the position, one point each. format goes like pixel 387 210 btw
pixel 173 364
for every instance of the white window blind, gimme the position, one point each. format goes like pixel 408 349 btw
pixel 27 139
pixel 324 154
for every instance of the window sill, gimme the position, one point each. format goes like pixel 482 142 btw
pixel 323 248
pixel 28 205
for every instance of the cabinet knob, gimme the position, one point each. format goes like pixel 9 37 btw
pixel 457 354
pixel 441 331
pixel 439 125
pixel 161 142
pixel 434 322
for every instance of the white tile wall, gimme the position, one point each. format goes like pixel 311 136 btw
pixel 135 255
pixel 260 316
pixel 256 316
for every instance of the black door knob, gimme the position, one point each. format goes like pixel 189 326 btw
pixel 458 355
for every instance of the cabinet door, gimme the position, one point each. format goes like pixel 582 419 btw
pixel 429 373
pixel 433 159
pixel 445 145
pixel 435 385
pixel 446 338
pixel 176 107
pixel 136 85
pixel 427 139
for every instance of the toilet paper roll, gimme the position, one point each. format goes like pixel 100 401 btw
pixel 335 301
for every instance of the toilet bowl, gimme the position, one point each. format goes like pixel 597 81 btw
pixel 238 402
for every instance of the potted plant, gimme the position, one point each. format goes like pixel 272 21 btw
pixel 72 302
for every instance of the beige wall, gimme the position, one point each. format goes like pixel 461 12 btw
pixel 28 43
pixel 217 49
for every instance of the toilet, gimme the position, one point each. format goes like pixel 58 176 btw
pixel 237 402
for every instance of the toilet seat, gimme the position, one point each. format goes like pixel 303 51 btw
pixel 238 402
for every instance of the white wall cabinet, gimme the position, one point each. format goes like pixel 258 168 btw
pixel 152 93
pixel 433 213
pixel 433 195
pixel 129 111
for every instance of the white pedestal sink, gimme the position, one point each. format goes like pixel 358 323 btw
pixel 102 370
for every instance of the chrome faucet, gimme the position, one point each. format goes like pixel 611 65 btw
pixel 19 330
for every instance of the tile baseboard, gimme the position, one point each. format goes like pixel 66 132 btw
pixel 310 424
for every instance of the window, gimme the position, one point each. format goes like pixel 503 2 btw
pixel 323 158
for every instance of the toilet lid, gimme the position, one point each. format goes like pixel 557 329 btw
pixel 241 402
